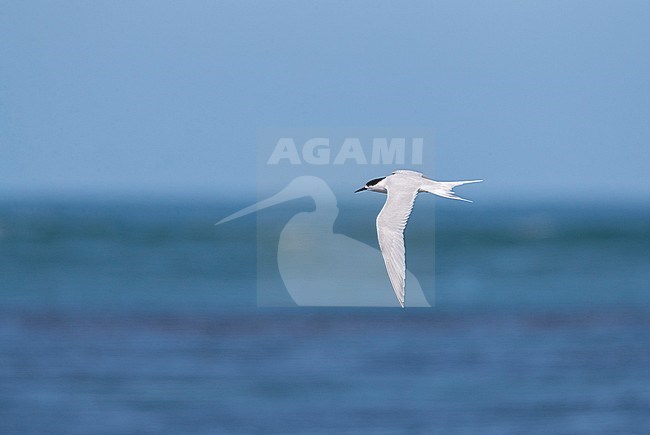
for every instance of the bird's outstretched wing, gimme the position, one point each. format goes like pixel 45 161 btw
pixel 391 222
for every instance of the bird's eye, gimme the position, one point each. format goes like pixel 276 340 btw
pixel 373 182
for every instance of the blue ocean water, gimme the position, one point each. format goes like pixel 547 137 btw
pixel 140 316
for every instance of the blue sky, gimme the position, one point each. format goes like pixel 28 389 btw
pixel 547 98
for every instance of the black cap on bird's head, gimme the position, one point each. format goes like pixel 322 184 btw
pixel 370 184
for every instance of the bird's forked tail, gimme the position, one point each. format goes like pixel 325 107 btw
pixel 445 188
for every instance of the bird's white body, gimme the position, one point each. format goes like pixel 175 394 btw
pixel 402 187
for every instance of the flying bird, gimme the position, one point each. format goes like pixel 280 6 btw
pixel 402 187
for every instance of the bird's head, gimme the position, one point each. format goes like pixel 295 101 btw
pixel 375 185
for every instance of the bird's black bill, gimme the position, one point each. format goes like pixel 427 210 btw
pixel 359 190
